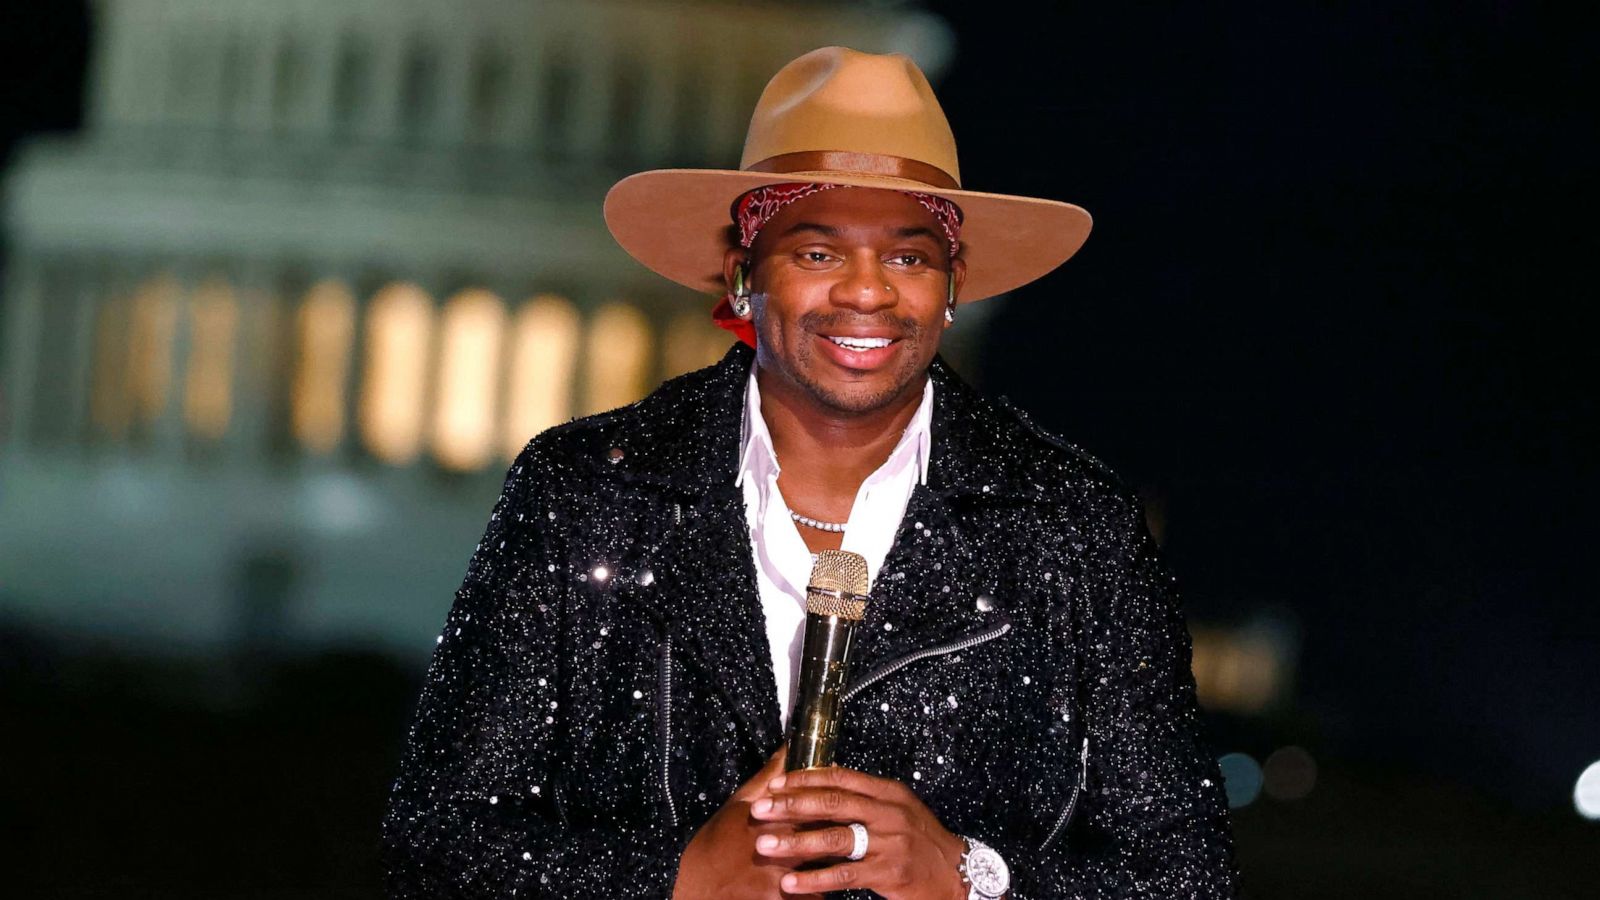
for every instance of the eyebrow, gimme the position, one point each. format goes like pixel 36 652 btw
pixel 912 231
pixel 796 228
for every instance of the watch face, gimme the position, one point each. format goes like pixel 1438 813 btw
pixel 988 872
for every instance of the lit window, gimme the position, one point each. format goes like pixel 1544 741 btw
pixel 693 342
pixel 1238 670
pixel 616 357
pixel 208 377
pixel 323 327
pixel 471 329
pixel 543 355
pixel 154 317
pixel 398 327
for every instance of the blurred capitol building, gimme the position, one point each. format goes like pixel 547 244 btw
pixel 316 270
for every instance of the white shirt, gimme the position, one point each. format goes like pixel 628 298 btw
pixel 783 562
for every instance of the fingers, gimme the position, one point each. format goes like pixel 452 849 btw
pixel 843 779
pixel 803 845
pixel 825 805
pixel 835 878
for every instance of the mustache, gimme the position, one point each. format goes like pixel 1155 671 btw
pixel 817 320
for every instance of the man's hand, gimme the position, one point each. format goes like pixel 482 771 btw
pixel 910 855
pixel 720 861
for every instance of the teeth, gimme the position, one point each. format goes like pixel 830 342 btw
pixel 861 343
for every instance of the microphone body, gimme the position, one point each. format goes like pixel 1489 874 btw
pixel 824 665
pixel 835 602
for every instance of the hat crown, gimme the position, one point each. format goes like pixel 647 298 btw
pixel 835 99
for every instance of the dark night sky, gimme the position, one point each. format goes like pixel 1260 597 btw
pixel 1334 314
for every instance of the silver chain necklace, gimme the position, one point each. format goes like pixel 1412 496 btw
pixel 836 527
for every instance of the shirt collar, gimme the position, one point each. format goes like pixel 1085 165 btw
pixel 758 459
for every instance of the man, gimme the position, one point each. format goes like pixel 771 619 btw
pixel 604 712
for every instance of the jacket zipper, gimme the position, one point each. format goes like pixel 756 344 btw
pixel 665 695
pixel 939 650
pixel 1072 802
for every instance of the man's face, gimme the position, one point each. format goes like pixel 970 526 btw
pixel 848 288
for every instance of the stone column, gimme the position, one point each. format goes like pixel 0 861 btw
pixel 24 297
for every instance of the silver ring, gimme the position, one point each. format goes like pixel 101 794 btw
pixel 860 848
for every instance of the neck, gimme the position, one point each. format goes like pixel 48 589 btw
pixel 825 453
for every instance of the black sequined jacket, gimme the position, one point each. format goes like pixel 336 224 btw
pixel 603 681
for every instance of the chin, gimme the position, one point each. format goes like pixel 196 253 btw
pixel 855 396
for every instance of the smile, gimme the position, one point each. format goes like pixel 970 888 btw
pixel 863 343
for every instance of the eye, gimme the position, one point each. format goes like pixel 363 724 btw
pixel 907 259
pixel 815 257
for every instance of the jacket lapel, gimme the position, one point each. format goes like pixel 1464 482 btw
pixel 939 583
pixel 704 591
pixel 713 607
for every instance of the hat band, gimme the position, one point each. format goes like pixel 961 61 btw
pixel 852 163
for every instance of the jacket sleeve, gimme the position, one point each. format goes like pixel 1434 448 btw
pixel 477 808
pixel 1152 820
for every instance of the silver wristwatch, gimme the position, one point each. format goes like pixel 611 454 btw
pixel 985 872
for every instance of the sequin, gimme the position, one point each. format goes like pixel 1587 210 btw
pixel 524 694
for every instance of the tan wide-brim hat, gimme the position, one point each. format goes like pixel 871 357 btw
pixel 843 117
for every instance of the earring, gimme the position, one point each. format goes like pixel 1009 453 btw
pixel 950 301
pixel 741 293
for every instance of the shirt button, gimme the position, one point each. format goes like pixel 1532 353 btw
pixel 985 604
pixel 615 454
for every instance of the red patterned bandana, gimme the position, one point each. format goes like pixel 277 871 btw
pixel 754 209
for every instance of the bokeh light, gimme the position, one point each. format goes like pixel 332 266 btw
pixel 1289 773
pixel 1586 796
pixel 1241 776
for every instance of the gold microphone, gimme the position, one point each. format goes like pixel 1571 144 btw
pixel 836 599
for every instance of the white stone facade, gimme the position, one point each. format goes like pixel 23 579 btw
pixel 276 319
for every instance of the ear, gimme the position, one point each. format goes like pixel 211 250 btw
pixel 731 259
pixel 958 272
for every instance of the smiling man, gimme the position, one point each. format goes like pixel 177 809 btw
pixel 604 714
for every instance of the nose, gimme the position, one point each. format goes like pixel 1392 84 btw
pixel 863 286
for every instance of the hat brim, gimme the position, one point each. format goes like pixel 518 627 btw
pixel 676 222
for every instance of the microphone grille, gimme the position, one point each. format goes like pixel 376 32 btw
pixel 838 585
